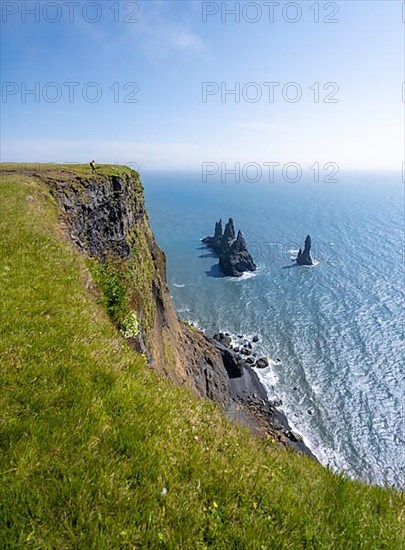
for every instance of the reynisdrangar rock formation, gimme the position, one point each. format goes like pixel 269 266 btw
pixel 234 257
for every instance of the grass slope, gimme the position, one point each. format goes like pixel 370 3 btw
pixel 90 437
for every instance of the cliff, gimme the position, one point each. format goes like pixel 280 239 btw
pixel 105 217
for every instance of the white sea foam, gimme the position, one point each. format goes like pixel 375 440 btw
pixel 247 275
pixel 316 388
pixel 178 286
pixel 294 253
pixel 328 457
pixel 313 265
pixel 268 379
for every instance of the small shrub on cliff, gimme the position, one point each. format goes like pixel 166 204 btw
pixel 130 326
pixel 114 295
pixel 189 324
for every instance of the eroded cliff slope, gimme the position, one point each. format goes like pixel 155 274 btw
pixel 105 216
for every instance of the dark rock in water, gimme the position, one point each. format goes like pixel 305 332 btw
pixel 310 411
pixel 240 336
pixel 262 363
pixel 236 349
pixel 235 260
pixel 304 256
pixel 250 360
pixel 293 436
pixel 255 339
pixel 245 351
pixel 249 345
pixel 215 241
pixel 221 241
pixel 229 235
pixel 223 339
pixel 234 257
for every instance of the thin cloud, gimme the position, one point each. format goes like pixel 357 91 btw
pixel 159 36
pixel 183 39
pixel 189 120
pixel 264 126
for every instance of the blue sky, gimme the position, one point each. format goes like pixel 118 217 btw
pixel 170 52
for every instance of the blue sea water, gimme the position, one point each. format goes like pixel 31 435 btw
pixel 337 327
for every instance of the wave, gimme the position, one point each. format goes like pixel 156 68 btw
pixel 247 275
pixel 178 285
pixel 316 262
pixel 327 456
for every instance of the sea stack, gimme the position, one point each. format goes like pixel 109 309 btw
pixel 229 236
pixel 234 257
pixel 215 241
pixel 304 256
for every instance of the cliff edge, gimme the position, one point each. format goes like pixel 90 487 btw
pixel 104 215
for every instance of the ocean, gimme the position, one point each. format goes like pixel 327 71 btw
pixel 334 332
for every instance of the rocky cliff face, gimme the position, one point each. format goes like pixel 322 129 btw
pixel 105 217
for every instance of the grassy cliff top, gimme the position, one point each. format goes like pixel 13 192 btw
pixel 82 170
pixel 97 451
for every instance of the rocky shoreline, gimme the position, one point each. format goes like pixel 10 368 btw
pixel 249 404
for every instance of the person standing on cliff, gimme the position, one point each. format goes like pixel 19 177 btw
pixel 93 166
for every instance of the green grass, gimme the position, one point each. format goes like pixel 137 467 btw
pixel 90 436
pixel 83 170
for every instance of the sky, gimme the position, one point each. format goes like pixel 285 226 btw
pixel 150 83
